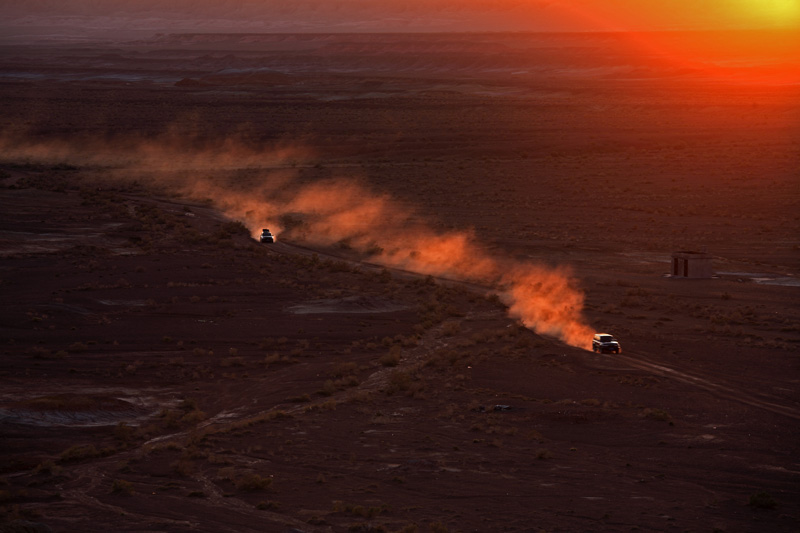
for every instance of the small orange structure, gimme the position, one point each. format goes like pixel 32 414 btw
pixel 691 265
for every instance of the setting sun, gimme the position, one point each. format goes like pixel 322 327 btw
pixel 778 13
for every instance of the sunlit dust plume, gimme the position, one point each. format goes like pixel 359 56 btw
pixel 268 194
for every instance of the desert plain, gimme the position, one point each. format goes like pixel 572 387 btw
pixel 162 370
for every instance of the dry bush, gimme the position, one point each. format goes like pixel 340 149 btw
pixel 656 414
pixel 77 347
pixel 231 361
pixel 534 435
pixel 266 343
pixel 328 388
pixel 392 358
pixel 182 467
pixel 762 500
pixel 343 369
pixel 48 467
pixel 79 453
pixel 123 432
pixel 120 486
pixel 299 399
pixel 227 473
pixel 399 380
pixel 267 506
pixel 193 417
pixel 543 454
pixel 347 382
pixel 38 352
pixel 253 483
pixel 451 328
pixel 359 510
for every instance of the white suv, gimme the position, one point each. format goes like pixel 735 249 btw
pixel 603 343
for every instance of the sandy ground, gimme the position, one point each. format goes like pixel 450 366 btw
pixel 163 371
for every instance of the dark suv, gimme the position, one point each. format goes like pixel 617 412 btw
pixel 605 343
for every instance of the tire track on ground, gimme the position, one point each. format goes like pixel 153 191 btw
pixel 643 363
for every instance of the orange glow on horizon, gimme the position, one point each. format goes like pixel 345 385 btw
pixel 753 41
pixel 408 15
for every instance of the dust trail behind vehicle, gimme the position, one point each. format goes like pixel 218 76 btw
pixel 547 300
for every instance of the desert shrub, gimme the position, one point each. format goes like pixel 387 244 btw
pixel 384 276
pixel 762 500
pixel 39 352
pixel 438 527
pixel 343 369
pixel 359 510
pixel 399 380
pixel 234 227
pixel 374 249
pixel 267 506
pixel 392 358
pixel 451 328
pixel 188 404
pixel 253 483
pixel 170 419
pixel 182 467
pixel 193 417
pixel 330 405
pixel 77 347
pixel 227 473
pixel 120 486
pixel 338 266
pixel 543 454
pixel 656 414
pixel 347 381
pixel 328 388
pixel 299 399
pixel 78 453
pixel 123 432
pixel 266 343
pixel 47 467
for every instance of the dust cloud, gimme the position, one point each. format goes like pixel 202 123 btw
pixel 259 186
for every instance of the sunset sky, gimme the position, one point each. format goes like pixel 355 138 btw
pixel 402 15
